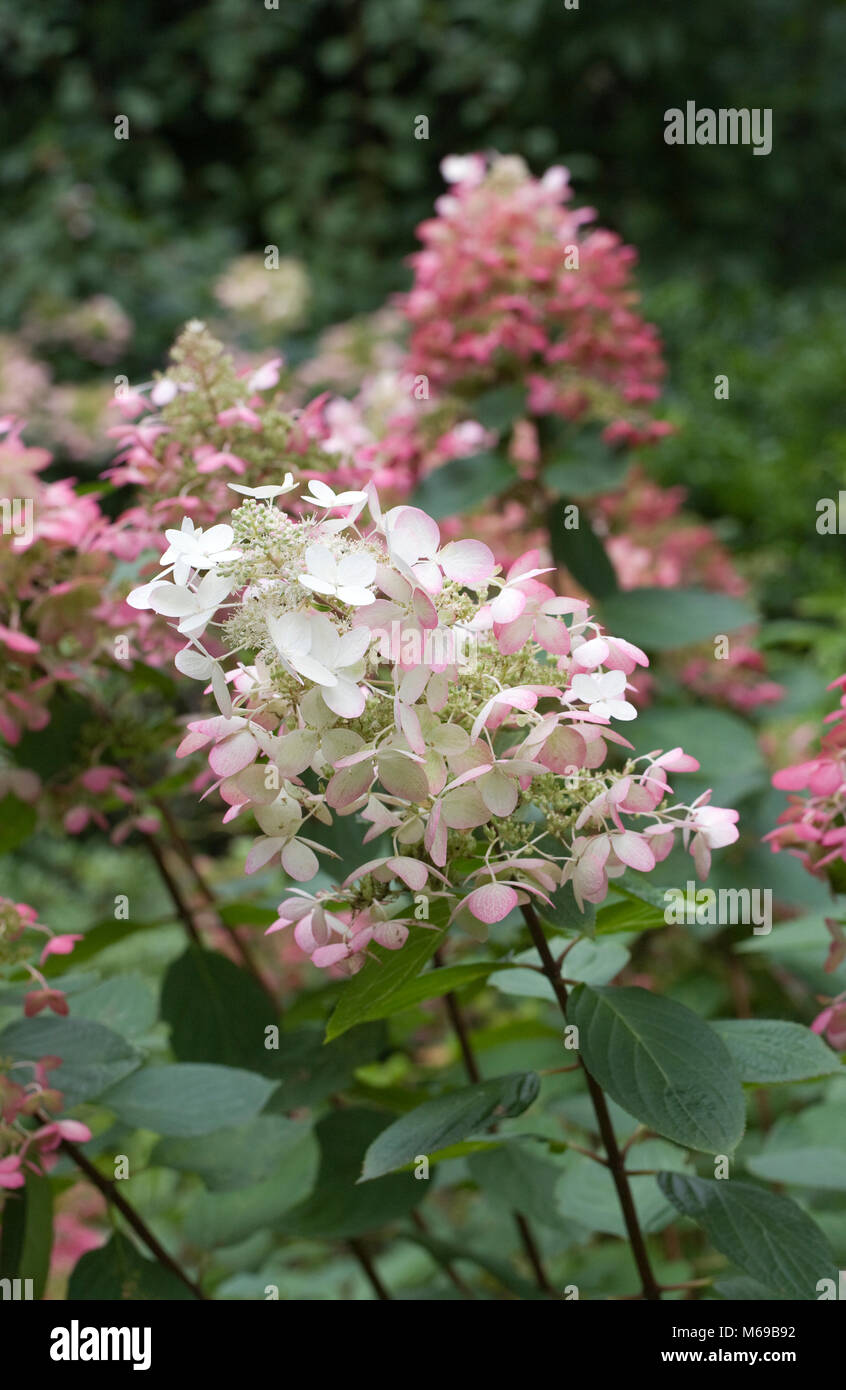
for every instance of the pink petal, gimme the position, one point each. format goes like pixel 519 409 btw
pixel 299 861
pixel 467 562
pixel 234 754
pixel 492 902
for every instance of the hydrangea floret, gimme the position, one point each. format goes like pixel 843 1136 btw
pixel 466 716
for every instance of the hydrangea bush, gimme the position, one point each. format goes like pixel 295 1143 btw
pixel 399 702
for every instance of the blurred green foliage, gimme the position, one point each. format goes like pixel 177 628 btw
pixel 765 456
pixel 251 125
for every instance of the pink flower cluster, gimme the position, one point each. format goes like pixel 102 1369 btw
pixel 355 697
pixel 513 285
pixel 813 827
pixel 21 1147
pixel 59 618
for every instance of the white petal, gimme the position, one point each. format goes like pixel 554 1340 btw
pixel 311 669
pixel 290 632
pixel 219 537
pixel 316 586
pixel 221 691
pixel 197 666
pixel 356 570
pixel 352 646
pixel 320 493
pixel 140 598
pixel 173 601
pixel 356 598
pixel 322 563
pixel 346 699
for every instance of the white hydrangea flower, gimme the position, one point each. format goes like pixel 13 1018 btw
pixel 347 579
pixel 601 693
pixel 192 548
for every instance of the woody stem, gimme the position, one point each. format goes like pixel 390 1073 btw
pixel 616 1162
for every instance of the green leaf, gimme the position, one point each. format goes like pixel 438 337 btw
pixel 126 1004
pixel 803 936
pixel 739 1288
pixel 628 915
pixel 434 984
pixel 236 1156
pixel 581 551
pixel 660 1062
pixel 118 1272
pixel 436 1124
pixel 586 1193
pixel 447 1252
pixel 17 822
pixel 223 1218
pixel 369 994
pixel 185 1099
pixel 50 750
pixel 587 468
pixel 499 407
pixel 766 1235
pixel 246 914
pixel 564 914
pixel 726 746
pixel 26 1238
pixel 308 1069
pixel 217 1012
pixel 517 1177
pixel 95 940
pixel 338 1207
pixel 769 1051
pixel 463 485
pixel 664 619
pixel 639 888
pixel 93 1057
pixel 808 1149
pixel 592 962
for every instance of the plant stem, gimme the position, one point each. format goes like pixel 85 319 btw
pixel 452 1274
pixel 616 1161
pixel 183 910
pixel 471 1066
pixel 129 1214
pixel 183 849
pixel 362 1254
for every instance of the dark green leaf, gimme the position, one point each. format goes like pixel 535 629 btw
pixel 118 1272
pixel 580 551
pixel 665 619
pixel 585 465
pixel 93 1057
pixel 126 1004
pixel 339 1207
pixel 369 994
pixel 17 822
pixel 26 1239
pixel 767 1051
pixel 520 1178
pixel 564 913
pixel 438 1123
pixel 463 485
pixel 309 1070
pixel 766 1235
pixel 236 1156
pixel 660 1062
pixel 499 407
pixel 217 1012
pixel 808 1149
pixel 222 1218
pixel 186 1099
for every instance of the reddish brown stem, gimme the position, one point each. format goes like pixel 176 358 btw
pixel 616 1162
